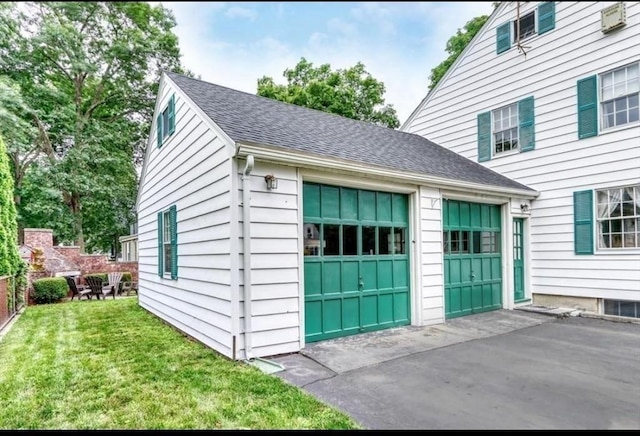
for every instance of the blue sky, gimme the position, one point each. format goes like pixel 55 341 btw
pixel 235 43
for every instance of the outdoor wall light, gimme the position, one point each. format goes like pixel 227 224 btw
pixel 272 182
pixel 524 208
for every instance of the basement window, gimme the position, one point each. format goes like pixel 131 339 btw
pixel 622 308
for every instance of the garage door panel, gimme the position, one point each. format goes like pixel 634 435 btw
pixel 400 209
pixel 367 206
pixel 369 274
pixel 349 204
pixel 313 318
pixel 351 313
pixel 400 271
pixel 350 276
pixel 331 273
pixel 385 308
pixel 332 315
pixel 312 278
pixel 385 274
pixel 369 310
pixel 330 202
pixel 383 206
pixel 401 306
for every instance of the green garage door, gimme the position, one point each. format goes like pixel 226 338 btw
pixel 472 260
pixel 356 262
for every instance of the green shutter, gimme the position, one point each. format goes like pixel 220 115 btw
pixel 160 252
pixel 159 130
pixel 484 136
pixel 546 17
pixel 172 114
pixel 587 107
pixel 527 136
pixel 174 242
pixel 583 222
pixel 503 37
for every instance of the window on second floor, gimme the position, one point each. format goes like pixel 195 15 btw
pixel 505 129
pixel 166 121
pixel 619 90
pixel 524 27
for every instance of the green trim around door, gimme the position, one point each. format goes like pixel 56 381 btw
pixel 356 260
pixel 472 258
pixel 518 259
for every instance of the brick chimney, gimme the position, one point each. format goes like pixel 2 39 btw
pixel 42 238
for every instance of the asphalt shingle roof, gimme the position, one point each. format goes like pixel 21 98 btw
pixel 250 118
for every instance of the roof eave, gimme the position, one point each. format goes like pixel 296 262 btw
pixel 307 160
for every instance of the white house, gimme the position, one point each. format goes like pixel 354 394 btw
pixel 547 94
pixel 344 233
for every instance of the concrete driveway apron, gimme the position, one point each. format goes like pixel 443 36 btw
pixel 495 370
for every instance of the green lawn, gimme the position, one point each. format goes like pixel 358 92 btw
pixel 112 365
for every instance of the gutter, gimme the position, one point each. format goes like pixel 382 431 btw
pixel 292 158
pixel 246 253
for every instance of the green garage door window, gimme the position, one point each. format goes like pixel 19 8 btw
pixel 356 261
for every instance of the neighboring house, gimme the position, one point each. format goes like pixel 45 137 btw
pixel 344 233
pixel 129 245
pixel 547 94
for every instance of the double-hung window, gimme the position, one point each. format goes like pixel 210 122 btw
pixel 615 93
pixel 168 243
pixel 616 218
pixel 619 90
pixel 505 129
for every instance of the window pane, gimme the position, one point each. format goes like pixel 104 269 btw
pixel 628 308
pixel 331 240
pixel 633 85
pixel 619 89
pixel 611 307
pixel 445 242
pixel 616 226
pixel 608 121
pixel 385 240
pixel 398 236
pixel 368 240
pixel 455 241
pixel 167 258
pixel 607 79
pixel 464 241
pixel 311 239
pixel 607 108
pixel 349 240
pixel 621 118
pixel 621 104
pixel 632 71
pixel 476 243
pixel 607 92
pixel 633 115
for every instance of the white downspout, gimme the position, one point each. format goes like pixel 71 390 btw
pixel 246 253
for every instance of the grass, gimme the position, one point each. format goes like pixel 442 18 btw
pixel 112 365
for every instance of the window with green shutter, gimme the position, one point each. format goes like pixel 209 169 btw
pixel 587 107
pixel 503 37
pixel 166 122
pixel 546 17
pixel 583 222
pixel 506 129
pixel 168 243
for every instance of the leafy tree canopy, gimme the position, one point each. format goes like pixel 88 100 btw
pixel 352 92
pixel 455 45
pixel 87 74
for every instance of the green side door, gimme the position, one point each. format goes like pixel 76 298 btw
pixel 472 258
pixel 356 261
pixel 518 259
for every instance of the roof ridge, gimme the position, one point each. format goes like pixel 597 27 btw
pixel 342 117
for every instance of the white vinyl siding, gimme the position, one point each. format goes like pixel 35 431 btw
pixel 192 170
pixel 275 268
pixel 561 164
pixel 432 267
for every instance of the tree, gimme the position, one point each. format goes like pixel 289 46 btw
pixel 352 93
pixel 455 45
pixel 89 71
pixel 9 256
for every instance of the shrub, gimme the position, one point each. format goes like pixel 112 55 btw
pixel 102 276
pixel 49 290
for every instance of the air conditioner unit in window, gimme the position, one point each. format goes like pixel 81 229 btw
pixel 613 17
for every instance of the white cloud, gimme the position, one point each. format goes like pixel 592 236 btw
pixel 239 66
pixel 238 12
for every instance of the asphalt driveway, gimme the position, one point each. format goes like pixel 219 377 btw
pixel 498 370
